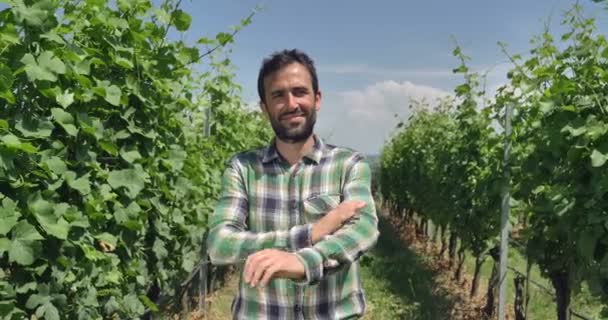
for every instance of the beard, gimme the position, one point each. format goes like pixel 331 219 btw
pixel 297 133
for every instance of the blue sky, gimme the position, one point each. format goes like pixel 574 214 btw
pixel 373 56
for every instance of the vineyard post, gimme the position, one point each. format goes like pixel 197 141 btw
pixel 203 276
pixel 208 122
pixel 504 221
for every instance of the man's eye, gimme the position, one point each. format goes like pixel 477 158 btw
pixel 277 94
pixel 300 93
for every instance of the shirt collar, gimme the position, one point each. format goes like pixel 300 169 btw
pixel 315 154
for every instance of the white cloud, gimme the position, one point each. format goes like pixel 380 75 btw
pixel 388 98
pixel 363 119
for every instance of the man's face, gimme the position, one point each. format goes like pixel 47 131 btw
pixel 291 103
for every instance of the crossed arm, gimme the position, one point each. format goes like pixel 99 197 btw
pixel 300 252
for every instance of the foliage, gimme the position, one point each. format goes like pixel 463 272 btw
pixel 561 148
pixel 447 165
pixel 106 175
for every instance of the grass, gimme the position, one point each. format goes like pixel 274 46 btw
pixel 397 283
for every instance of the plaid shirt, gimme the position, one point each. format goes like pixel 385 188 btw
pixel 267 203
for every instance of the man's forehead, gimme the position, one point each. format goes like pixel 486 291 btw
pixel 299 71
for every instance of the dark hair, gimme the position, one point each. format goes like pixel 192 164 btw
pixel 281 59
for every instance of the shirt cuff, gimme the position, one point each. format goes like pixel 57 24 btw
pixel 300 237
pixel 313 265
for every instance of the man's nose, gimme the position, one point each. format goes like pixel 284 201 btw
pixel 291 101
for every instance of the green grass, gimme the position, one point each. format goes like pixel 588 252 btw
pixel 397 283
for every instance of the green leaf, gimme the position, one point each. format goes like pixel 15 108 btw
pixel 108 147
pixel 127 178
pixel 44 212
pixel 9 34
pixel 34 128
pixel 36 15
pixel 125 63
pixel 82 184
pixel 5 245
pixel 48 61
pixel 47 67
pixel 30 286
pixel 65 99
pixel 159 249
pixel 36 300
pixel 461 69
pixel 49 311
pixel 91 125
pixel 56 165
pixel 224 38
pixel 91 253
pixel 52 36
pixel 205 41
pixel 181 20
pixel 83 67
pixel 12 141
pixel 65 120
pixel 546 106
pixel 598 159
pixel 8 310
pixel 6 83
pixel 24 252
pixel 133 304
pixel 148 303
pixel 130 156
pixel 9 215
pixel 176 158
pixel 113 94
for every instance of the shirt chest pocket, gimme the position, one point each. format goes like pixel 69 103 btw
pixel 317 206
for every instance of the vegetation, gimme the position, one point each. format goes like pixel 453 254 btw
pixel 446 164
pixel 111 149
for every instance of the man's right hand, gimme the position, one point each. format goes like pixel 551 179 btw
pixel 334 219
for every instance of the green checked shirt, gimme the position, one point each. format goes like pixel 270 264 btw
pixel 267 203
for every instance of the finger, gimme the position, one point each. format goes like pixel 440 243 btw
pixel 360 204
pixel 246 270
pixel 262 268
pixel 270 272
pixel 251 265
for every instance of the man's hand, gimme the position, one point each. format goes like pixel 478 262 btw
pixel 261 266
pixel 334 219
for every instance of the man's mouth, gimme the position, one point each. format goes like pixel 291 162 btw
pixel 292 116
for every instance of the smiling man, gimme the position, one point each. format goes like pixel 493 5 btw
pixel 298 214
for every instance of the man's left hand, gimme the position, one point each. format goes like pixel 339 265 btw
pixel 261 266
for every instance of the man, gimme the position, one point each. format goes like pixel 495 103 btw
pixel 299 213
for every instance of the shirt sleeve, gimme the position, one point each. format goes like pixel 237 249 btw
pixel 229 242
pixel 355 238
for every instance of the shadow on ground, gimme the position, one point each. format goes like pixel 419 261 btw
pixel 398 285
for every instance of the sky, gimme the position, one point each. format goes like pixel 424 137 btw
pixel 373 57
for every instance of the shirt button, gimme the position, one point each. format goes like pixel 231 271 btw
pixel 294 204
pixel 298 308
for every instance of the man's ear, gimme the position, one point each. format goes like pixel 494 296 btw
pixel 318 97
pixel 263 109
